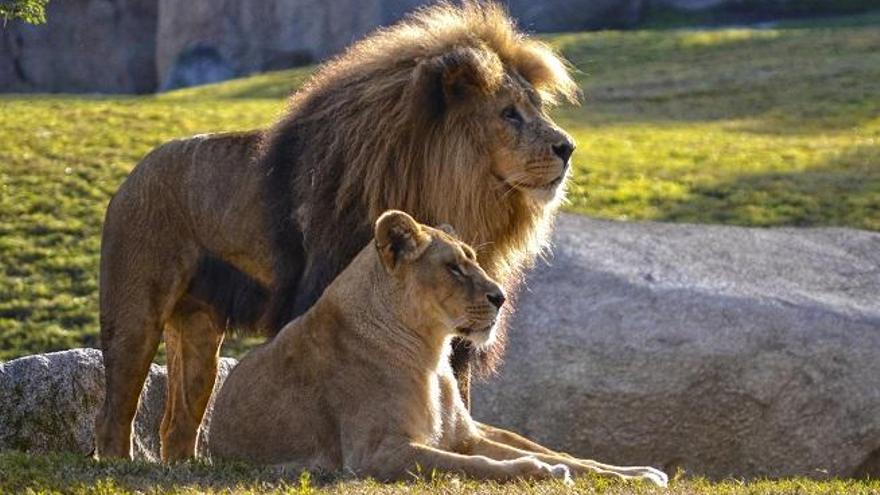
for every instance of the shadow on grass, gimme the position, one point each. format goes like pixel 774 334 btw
pixel 79 473
pixel 844 191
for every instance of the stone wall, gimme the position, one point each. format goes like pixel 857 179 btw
pixel 87 46
pixel 138 46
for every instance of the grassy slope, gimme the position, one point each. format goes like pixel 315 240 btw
pixel 77 474
pixel 751 127
pixel 738 126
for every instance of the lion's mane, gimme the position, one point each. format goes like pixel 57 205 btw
pixel 372 130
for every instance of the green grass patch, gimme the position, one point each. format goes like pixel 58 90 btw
pixel 807 13
pixel 760 127
pixel 76 474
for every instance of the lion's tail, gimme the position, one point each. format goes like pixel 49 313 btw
pixel 238 300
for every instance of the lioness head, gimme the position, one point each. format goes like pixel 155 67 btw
pixel 439 277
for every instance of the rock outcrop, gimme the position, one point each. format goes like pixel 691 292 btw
pixel 48 403
pixel 254 35
pixel 139 46
pixel 724 351
pixel 87 46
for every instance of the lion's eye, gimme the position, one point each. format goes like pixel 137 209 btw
pixel 512 115
pixel 455 270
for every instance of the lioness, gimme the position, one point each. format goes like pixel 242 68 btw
pixel 362 381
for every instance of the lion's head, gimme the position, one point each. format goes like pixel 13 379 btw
pixel 439 278
pixel 443 115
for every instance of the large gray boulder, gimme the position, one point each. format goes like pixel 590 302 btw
pixel 725 351
pixel 86 46
pixel 48 403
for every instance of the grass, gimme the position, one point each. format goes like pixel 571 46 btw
pixel 760 127
pixel 67 473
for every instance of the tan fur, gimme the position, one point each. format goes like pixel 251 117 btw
pixel 362 382
pixel 415 117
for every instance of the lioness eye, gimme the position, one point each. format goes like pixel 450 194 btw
pixel 512 114
pixel 455 270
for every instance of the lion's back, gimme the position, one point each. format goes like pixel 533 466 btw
pixel 203 191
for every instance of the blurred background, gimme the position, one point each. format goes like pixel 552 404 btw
pixel 141 46
pixel 745 112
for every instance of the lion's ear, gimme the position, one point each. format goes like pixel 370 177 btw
pixel 445 227
pixel 399 238
pixel 456 76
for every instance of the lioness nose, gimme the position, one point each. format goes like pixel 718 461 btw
pixel 496 298
pixel 564 150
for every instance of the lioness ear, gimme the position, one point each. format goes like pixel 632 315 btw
pixel 456 76
pixel 399 238
pixel 445 227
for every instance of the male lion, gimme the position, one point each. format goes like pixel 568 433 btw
pixel 443 115
pixel 362 380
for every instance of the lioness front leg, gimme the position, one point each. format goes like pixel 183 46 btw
pixel 403 463
pixel 496 450
pixel 512 439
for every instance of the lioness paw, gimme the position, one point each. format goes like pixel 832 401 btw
pixel 656 476
pixel 531 468
pixel 560 471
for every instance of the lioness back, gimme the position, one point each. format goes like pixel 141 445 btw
pixel 254 420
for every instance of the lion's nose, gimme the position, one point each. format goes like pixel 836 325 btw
pixel 496 298
pixel 564 150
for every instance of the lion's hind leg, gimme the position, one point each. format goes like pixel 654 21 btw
pixel 128 347
pixel 135 300
pixel 192 341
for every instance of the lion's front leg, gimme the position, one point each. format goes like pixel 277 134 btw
pixel 406 462
pixel 497 450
